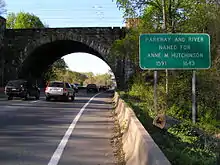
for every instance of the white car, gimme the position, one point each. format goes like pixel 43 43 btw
pixel 59 90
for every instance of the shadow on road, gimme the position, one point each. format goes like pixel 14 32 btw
pixel 31 134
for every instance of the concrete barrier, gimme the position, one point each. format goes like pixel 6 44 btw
pixel 138 145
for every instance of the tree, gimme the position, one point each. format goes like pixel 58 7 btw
pixel 90 78
pixel 56 71
pixel 60 71
pixel 23 20
pixel 182 16
pixel 60 64
pixel 2 7
pixel 73 77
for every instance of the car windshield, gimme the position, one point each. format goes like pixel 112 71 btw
pixel 16 83
pixel 56 84
pixel 91 86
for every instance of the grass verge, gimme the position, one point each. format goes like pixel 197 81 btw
pixel 180 143
pixel 116 141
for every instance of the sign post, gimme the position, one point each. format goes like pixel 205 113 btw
pixel 184 51
pixel 194 107
pixel 155 90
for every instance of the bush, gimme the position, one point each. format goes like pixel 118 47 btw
pixel 182 144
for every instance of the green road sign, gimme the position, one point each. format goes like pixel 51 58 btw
pixel 175 51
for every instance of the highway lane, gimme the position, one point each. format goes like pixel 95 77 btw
pixel 91 131
pixel 34 132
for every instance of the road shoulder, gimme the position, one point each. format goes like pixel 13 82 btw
pixel 90 142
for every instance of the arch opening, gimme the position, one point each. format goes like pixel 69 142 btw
pixel 40 59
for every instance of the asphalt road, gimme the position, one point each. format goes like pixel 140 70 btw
pixel 50 133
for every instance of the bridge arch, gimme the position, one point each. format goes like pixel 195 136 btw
pixel 59 36
pixel 39 54
pixel 26 49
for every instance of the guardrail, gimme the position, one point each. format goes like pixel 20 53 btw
pixel 138 145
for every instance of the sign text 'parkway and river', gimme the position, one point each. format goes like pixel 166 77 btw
pixel 175 51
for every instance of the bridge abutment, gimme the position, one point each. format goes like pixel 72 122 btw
pixel 2 58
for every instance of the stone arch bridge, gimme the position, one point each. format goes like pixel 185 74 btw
pixel 29 52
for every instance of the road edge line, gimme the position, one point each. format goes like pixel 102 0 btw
pixel 59 150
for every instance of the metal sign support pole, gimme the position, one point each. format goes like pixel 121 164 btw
pixel 155 91
pixel 194 107
pixel 164 27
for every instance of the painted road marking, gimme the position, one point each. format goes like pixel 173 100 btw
pixel 34 101
pixel 59 151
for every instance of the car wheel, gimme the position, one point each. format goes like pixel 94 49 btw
pixel 37 96
pixel 68 97
pixel 27 96
pixel 72 98
pixel 10 98
pixel 47 98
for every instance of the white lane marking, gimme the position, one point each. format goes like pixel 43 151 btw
pixel 34 101
pixel 59 151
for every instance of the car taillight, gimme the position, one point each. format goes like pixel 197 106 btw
pixel 65 90
pixel 46 89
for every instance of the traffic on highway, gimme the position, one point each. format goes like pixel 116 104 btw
pixel 124 82
pixel 55 125
pixel 53 90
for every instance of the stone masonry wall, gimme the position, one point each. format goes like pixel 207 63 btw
pixel 2 32
pixel 18 44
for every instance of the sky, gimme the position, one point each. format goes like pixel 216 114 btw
pixel 74 13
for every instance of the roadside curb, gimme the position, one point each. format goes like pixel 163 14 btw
pixel 138 145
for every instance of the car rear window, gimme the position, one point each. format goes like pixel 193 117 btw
pixel 56 84
pixel 91 86
pixel 68 85
pixel 16 83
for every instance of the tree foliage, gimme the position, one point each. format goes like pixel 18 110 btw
pixel 182 16
pixel 2 7
pixel 99 79
pixel 23 20
pixel 56 69
pixel 60 71
pixel 60 64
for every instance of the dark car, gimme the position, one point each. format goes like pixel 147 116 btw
pixel 75 88
pixel 92 88
pixel 103 88
pixel 21 88
pixel 77 85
